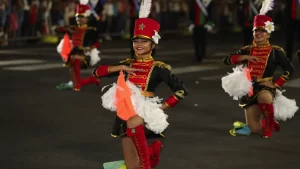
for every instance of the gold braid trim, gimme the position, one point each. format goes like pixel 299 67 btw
pixel 278 48
pixel 285 75
pixel 127 61
pixel 76 26
pixel 247 47
pixel 162 65
pixel 92 28
pixel 180 93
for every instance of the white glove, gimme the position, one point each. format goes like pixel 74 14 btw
pixel 208 27
pixel 191 27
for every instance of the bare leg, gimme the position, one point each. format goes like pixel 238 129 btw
pixel 252 126
pixel 130 155
pixel 135 121
pixel 253 116
pixel 75 63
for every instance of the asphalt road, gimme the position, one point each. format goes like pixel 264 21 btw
pixel 44 128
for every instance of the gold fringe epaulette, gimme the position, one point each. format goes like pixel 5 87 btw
pixel 74 27
pixel 162 65
pixel 127 61
pixel 278 48
pixel 93 28
pixel 247 47
pixel 71 26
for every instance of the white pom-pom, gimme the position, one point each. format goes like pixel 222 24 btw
pixel 236 84
pixel 83 2
pixel 59 46
pixel 147 108
pixel 94 56
pixel 109 97
pixel 284 108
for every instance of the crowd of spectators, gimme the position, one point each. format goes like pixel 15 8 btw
pixel 34 18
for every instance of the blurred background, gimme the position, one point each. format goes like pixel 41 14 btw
pixel 45 128
pixel 26 21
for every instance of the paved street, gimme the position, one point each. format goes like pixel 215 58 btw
pixel 44 128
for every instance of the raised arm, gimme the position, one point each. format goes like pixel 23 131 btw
pixel 112 70
pixel 64 29
pixel 236 58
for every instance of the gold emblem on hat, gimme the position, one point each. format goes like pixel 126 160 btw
pixel 141 26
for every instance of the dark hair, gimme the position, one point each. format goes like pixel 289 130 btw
pixel 153 50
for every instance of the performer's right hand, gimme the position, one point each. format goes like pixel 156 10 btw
pixel 70 30
pixel 249 58
pixel 131 70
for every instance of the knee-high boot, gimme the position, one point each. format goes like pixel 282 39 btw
pixel 138 137
pixel 89 80
pixel 76 74
pixel 268 111
pixel 276 125
pixel 154 153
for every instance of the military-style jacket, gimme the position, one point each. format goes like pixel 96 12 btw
pixel 271 57
pixel 82 37
pixel 155 73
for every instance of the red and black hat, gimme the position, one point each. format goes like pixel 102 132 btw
pixel 145 27
pixel 262 21
pixel 83 9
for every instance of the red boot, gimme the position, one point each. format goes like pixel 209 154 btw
pixel 76 74
pixel 268 111
pixel 138 137
pixel 276 125
pixel 89 80
pixel 154 152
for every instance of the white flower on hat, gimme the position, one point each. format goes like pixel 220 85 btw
pixel 156 37
pixel 269 26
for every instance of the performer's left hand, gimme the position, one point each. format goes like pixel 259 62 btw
pixel 268 84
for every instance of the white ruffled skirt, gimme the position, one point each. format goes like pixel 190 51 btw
pixel 94 54
pixel 237 85
pixel 145 107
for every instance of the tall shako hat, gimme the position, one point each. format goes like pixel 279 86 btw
pixel 83 9
pixel 261 21
pixel 145 27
